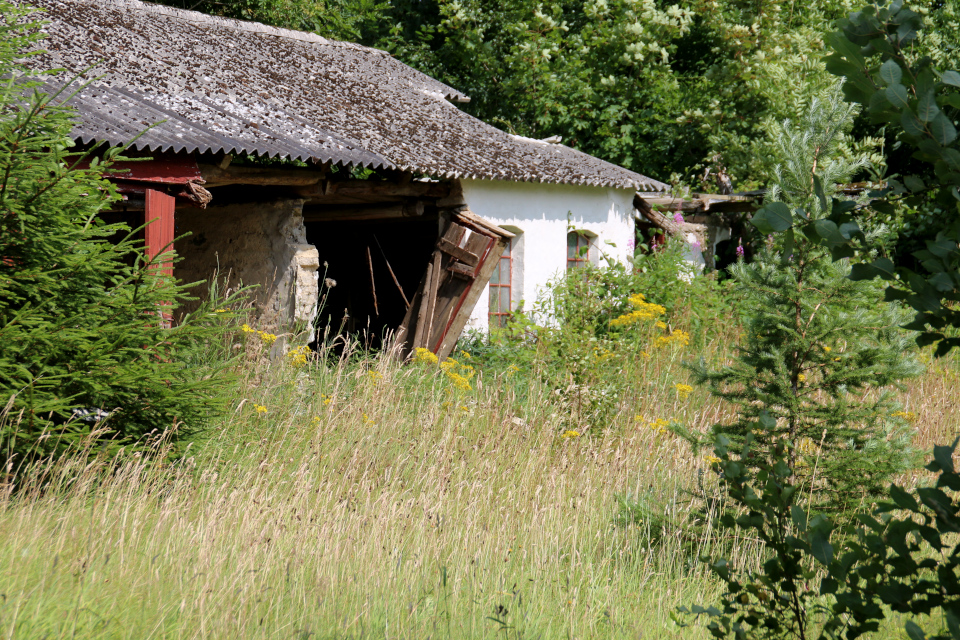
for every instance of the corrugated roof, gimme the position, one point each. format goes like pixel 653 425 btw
pixel 233 86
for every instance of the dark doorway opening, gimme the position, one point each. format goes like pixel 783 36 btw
pixel 360 304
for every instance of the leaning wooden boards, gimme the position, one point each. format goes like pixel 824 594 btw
pixel 460 268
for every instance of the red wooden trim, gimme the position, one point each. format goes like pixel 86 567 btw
pixel 160 224
pixel 501 287
pixel 161 168
pixel 463 296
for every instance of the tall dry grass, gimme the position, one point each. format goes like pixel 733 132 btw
pixel 365 499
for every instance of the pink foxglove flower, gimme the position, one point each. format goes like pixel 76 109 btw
pixel 740 248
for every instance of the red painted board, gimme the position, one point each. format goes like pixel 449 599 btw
pixel 166 168
pixel 160 226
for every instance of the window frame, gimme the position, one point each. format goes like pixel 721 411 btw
pixel 580 258
pixel 498 318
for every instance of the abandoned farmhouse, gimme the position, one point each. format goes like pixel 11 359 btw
pixel 455 223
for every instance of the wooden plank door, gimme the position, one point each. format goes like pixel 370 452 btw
pixel 459 269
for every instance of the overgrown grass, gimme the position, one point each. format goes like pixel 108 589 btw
pixel 369 499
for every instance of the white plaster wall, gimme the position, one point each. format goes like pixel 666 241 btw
pixel 543 212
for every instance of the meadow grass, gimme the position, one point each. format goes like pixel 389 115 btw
pixel 354 497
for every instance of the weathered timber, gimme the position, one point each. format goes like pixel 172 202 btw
pixel 363 212
pixel 484 226
pixel 375 189
pixel 460 254
pixel 373 284
pixel 215 176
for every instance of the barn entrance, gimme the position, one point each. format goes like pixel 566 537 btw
pixel 400 275
pixel 369 272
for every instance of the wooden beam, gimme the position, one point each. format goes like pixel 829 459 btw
pixel 216 176
pixel 460 254
pixel 373 189
pixel 362 212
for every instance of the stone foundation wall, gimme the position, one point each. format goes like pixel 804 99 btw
pixel 261 244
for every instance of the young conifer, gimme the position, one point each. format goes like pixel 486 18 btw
pixel 83 347
pixel 819 351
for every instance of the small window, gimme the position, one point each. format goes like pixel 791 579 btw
pixel 580 249
pixel 501 288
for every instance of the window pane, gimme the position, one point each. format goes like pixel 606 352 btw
pixel 494 299
pixel 506 252
pixel 505 300
pixel 495 276
pixel 571 245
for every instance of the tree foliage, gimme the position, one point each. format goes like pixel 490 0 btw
pixel 815 340
pixel 83 347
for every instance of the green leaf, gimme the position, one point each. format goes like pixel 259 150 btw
pixel 944 457
pixel 953 623
pixel 914 183
pixel 943 130
pixel 799 517
pixel 842 45
pixel 915 632
pixel 829 232
pixel 821 196
pixel 911 124
pixel 927 108
pixel 898 96
pixel 951 78
pixel 903 499
pixel 880 268
pixel 890 72
pixel 820 547
pixel 773 217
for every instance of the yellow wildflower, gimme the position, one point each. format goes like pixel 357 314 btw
pixel 660 324
pixel 801 378
pixel 426 356
pixel 659 425
pixel 374 375
pixel 679 337
pixel 712 459
pixel 247 328
pixel 837 359
pixel 570 433
pixel 827 349
pixel 268 338
pixel 260 409
pixel 459 374
pixel 465 355
pixel 642 311
pixel 221 311
pixel 909 416
pixel 316 420
pixel 298 356
pixel 683 390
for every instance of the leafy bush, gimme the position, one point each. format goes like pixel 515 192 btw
pixel 83 346
pixel 806 588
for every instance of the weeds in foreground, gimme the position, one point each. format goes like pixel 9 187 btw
pixel 349 496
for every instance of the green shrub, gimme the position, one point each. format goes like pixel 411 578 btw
pixel 811 587
pixel 83 346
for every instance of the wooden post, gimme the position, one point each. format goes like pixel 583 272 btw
pixel 158 236
pixel 159 231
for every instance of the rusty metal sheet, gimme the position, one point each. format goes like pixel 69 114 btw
pixel 240 87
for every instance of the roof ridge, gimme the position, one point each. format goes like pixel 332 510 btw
pixel 235 23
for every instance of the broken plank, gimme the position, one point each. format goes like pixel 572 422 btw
pixel 462 255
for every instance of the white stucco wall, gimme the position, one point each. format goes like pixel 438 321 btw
pixel 543 212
